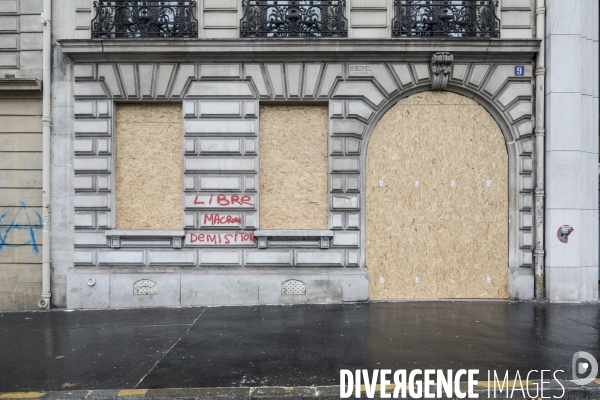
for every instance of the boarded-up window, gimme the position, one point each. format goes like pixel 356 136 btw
pixel 293 167
pixel 149 166
pixel 437 201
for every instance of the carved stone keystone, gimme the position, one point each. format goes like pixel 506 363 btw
pixel 441 65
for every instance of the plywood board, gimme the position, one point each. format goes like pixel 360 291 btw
pixel 450 231
pixel 149 166
pixel 293 167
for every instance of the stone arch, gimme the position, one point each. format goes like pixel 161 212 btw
pixel 377 289
pixel 496 113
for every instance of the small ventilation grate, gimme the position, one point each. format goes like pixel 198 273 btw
pixel 293 287
pixel 144 287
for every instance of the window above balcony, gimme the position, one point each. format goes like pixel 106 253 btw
pixel 293 18
pixel 153 19
pixel 446 18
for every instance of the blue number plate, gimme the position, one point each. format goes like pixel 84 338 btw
pixel 519 70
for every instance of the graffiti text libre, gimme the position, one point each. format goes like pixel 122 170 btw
pixel 219 201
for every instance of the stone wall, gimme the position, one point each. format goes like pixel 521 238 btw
pixel 572 150
pixel 20 203
pixel 20 154
pixel 20 39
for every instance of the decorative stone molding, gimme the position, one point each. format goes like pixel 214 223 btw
pixel 295 49
pixel 20 85
pixel 296 238
pixel 441 66
pixel 145 238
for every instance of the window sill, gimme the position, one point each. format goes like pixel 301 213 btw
pixel 145 238
pixel 297 238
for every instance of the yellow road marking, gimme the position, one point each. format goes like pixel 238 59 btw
pixel 132 392
pixel 22 395
pixel 510 384
pixel 597 381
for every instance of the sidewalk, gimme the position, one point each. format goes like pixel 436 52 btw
pixel 265 347
pixel 571 392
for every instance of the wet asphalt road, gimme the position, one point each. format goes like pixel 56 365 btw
pixel 298 345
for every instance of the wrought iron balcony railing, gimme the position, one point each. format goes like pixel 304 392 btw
pixel 293 18
pixel 133 19
pixel 449 18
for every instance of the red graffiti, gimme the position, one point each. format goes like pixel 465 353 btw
pixel 220 219
pixel 224 200
pixel 221 238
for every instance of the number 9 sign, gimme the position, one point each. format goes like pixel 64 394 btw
pixel 519 70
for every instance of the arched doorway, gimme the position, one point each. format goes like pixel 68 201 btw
pixel 437 201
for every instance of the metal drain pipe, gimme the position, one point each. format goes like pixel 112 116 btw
pixel 540 133
pixel 46 18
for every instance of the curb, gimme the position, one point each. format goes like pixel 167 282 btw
pixel 572 391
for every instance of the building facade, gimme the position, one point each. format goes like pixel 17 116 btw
pixel 227 152
pixel 20 154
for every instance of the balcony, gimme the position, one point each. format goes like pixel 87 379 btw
pixel 137 19
pixel 293 18
pixel 446 18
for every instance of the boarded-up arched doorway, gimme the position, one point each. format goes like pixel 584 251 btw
pixel 437 201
